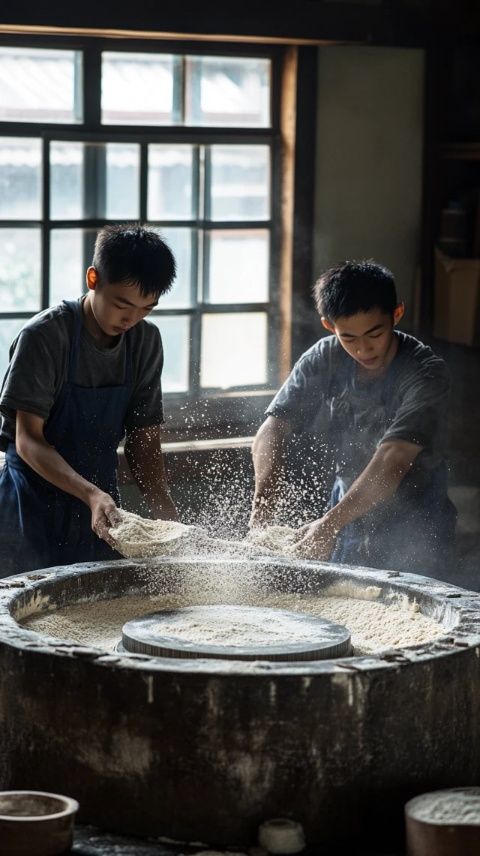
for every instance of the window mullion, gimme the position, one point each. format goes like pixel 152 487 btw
pixel 197 271
pixel 143 182
pixel 92 88
pixel 45 224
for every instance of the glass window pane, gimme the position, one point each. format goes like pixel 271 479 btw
pixel 20 178
pixel 71 252
pixel 8 331
pixel 38 85
pixel 180 243
pixel 20 281
pixel 66 181
pixel 94 180
pixel 234 350
pixel 240 183
pixel 138 88
pixel 238 263
pixel 170 182
pixel 228 91
pixel 123 181
pixel 175 332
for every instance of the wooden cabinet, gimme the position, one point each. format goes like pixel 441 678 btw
pixel 452 164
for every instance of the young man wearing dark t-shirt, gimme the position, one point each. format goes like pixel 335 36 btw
pixel 379 398
pixel 81 376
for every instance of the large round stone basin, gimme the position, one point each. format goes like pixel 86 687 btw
pixel 207 749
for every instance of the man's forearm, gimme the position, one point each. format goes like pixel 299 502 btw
pixel 48 463
pixel 146 461
pixel 149 472
pixel 375 485
pixel 268 461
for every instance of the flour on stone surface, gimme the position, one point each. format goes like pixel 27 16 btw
pixel 234 627
pixel 373 624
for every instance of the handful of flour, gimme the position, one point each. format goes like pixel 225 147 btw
pixel 139 537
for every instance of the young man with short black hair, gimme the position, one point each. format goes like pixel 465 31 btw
pixel 82 375
pixel 383 397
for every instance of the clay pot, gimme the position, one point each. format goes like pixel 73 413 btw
pixel 444 823
pixel 35 823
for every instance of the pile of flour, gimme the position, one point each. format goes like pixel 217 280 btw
pixel 451 807
pixel 373 625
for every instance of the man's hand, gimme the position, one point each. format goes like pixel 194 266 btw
pixel 105 514
pixel 261 513
pixel 315 540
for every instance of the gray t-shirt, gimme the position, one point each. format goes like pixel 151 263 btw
pixel 38 369
pixel 323 396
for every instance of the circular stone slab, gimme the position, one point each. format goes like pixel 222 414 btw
pixel 235 632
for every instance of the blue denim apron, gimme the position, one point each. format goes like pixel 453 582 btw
pixel 41 525
pixel 415 530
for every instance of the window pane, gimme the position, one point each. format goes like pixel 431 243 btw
pixel 39 85
pixel 180 243
pixel 20 283
pixel 94 180
pixel 234 350
pixel 175 332
pixel 66 184
pixel 238 263
pixel 20 178
pixel 228 91
pixel 71 252
pixel 240 183
pixel 170 180
pixel 138 88
pixel 8 331
pixel 123 181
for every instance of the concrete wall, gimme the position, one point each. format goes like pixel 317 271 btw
pixel 368 180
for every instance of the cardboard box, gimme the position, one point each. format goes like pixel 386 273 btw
pixel 457 299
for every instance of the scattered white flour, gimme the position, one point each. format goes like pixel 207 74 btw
pixel 373 625
pixel 279 539
pixel 450 807
pixel 138 538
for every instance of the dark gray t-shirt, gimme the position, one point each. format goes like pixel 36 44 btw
pixel 38 369
pixel 323 396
